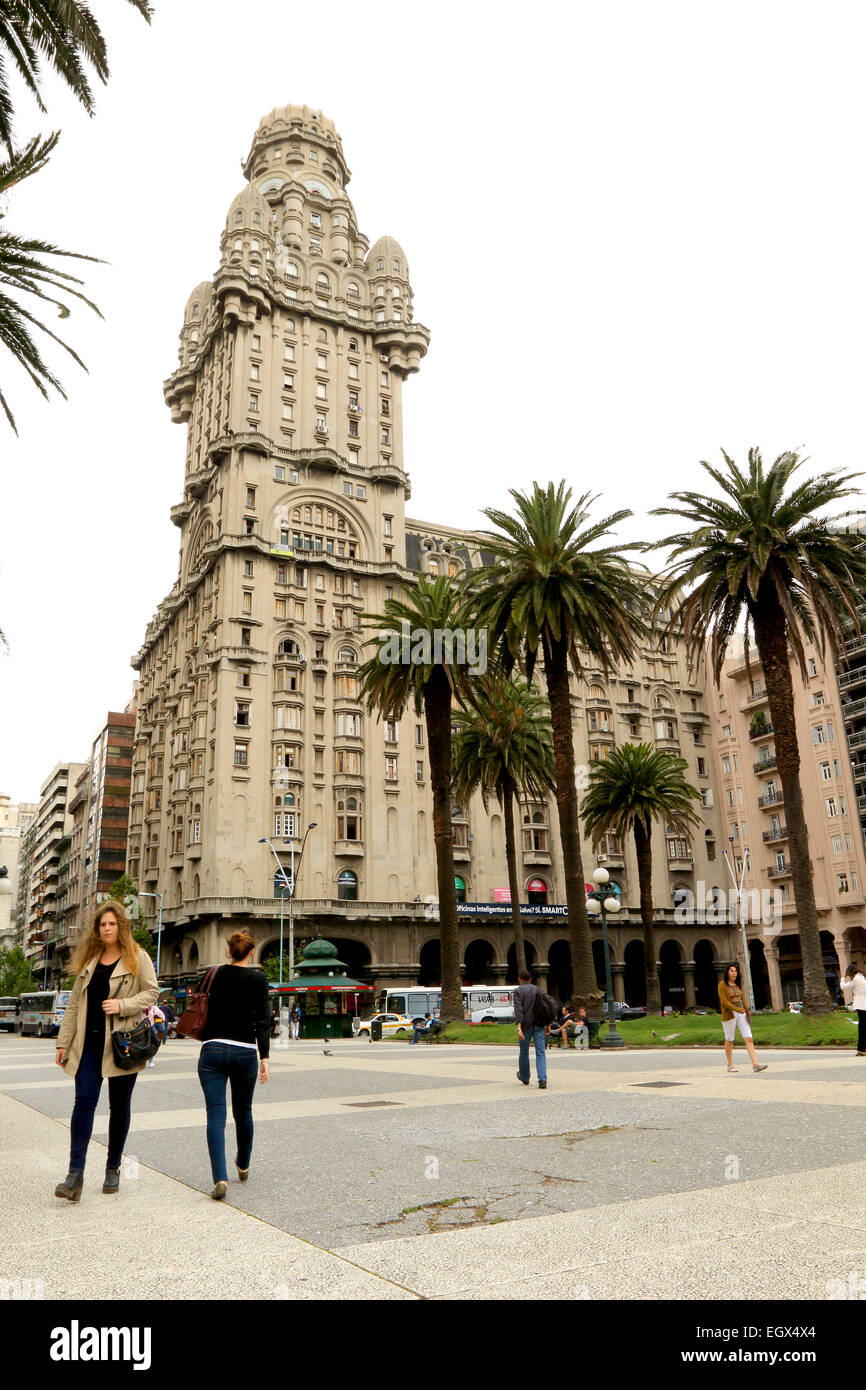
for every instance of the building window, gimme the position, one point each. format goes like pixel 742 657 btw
pixel 811 666
pixel 348 819
pixel 391 729
pixel 391 768
pixel 241 754
pixel 251 498
pixel 242 712
pixel 347 886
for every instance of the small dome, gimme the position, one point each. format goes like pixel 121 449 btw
pixel 198 301
pixel 388 250
pixel 282 116
pixel 248 201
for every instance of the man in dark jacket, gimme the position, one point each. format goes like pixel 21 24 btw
pixel 527 1031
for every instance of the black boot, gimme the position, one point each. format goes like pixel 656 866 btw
pixel 112 1179
pixel 71 1186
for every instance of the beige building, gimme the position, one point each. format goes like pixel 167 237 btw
pixel 753 814
pixel 14 821
pixel 52 825
pixel 292 524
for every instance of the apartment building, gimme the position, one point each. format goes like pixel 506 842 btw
pixel 50 827
pixel 753 812
pixel 292 523
pixel 14 821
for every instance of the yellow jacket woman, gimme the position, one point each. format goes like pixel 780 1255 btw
pixel 115 982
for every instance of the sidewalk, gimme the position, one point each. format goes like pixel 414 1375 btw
pixel 803 1239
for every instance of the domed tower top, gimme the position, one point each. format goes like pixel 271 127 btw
pixel 392 257
pixel 250 211
pixel 286 126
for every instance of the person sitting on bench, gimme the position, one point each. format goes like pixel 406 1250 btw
pixel 420 1028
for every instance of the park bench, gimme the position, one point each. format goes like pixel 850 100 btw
pixel 436 1034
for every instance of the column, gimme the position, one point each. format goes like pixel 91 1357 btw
pixel 771 955
pixel 499 974
pixel 617 970
pixel 688 969
pixel 540 970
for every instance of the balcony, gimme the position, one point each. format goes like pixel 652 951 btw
pixel 857 740
pixel 849 678
pixel 765 732
pixel 779 871
pixel 858 771
pixel 770 799
pixel 764 765
pixel 757 697
pixel 770 837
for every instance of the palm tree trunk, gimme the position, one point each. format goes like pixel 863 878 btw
pixel 771 639
pixel 437 710
pixel 642 844
pixel 511 860
pixel 579 937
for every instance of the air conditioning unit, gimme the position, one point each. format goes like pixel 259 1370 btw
pixel 602 858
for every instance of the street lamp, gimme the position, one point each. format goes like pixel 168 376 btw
pixel 597 904
pixel 738 889
pixel 158 929
pixel 290 884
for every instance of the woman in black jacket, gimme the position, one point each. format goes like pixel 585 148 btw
pixel 235 1048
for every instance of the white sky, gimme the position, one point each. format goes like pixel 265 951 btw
pixel 635 230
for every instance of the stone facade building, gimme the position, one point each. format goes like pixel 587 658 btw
pixel 51 826
pixel 292 524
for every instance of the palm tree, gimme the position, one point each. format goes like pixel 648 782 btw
pixel 550 589
pixel 504 746
pixel 759 555
pixel 415 661
pixel 23 269
pixel 629 789
pixel 65 32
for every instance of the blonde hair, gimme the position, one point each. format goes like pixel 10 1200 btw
pixel 92 944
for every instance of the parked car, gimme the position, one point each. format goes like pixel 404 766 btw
pixel 621 1011
pixel 396 1024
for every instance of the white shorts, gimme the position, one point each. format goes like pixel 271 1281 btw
pixel 731 1025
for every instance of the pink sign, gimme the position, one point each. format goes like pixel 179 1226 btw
pixel 502 895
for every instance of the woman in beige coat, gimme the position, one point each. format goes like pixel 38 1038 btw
pixel 115 981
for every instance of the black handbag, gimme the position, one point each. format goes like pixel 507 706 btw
pixel 134 1046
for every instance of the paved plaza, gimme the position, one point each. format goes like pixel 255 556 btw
pixel 384 1172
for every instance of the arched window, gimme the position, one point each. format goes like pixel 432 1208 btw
pixel 291 269
pixel 348 655
pixel 352 288
pixel 460 888
pixel 432 566
pixel 353 344
pixel 288 647
pixel 395 265
pixel 257 218
pixel 595 692
pixel 322 279
pixel 347 886
pixel 239 217
pixel 322 336
pixel 536 891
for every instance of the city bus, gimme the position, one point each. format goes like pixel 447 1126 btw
pixel 40 1014
pixel 9 1013
pixel 481 1003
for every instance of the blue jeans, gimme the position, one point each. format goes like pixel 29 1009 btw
pixel 88 1084
pixel 218 1063
pixel 539 1037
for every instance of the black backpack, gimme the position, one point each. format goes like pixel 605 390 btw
pixel 545 1010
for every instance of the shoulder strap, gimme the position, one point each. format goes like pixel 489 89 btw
pixel 208 980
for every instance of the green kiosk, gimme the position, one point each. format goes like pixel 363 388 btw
pixel 327 998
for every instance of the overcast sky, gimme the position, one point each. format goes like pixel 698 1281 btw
pixel 635 231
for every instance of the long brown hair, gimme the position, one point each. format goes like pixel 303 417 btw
pixel 91 943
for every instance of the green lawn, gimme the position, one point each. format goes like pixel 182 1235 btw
pixel 770 1030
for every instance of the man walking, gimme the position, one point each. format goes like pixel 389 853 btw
pixel 525 997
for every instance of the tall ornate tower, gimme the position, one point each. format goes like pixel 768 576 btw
pixel 292 363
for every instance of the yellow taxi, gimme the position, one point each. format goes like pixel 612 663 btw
pixel 396 1024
